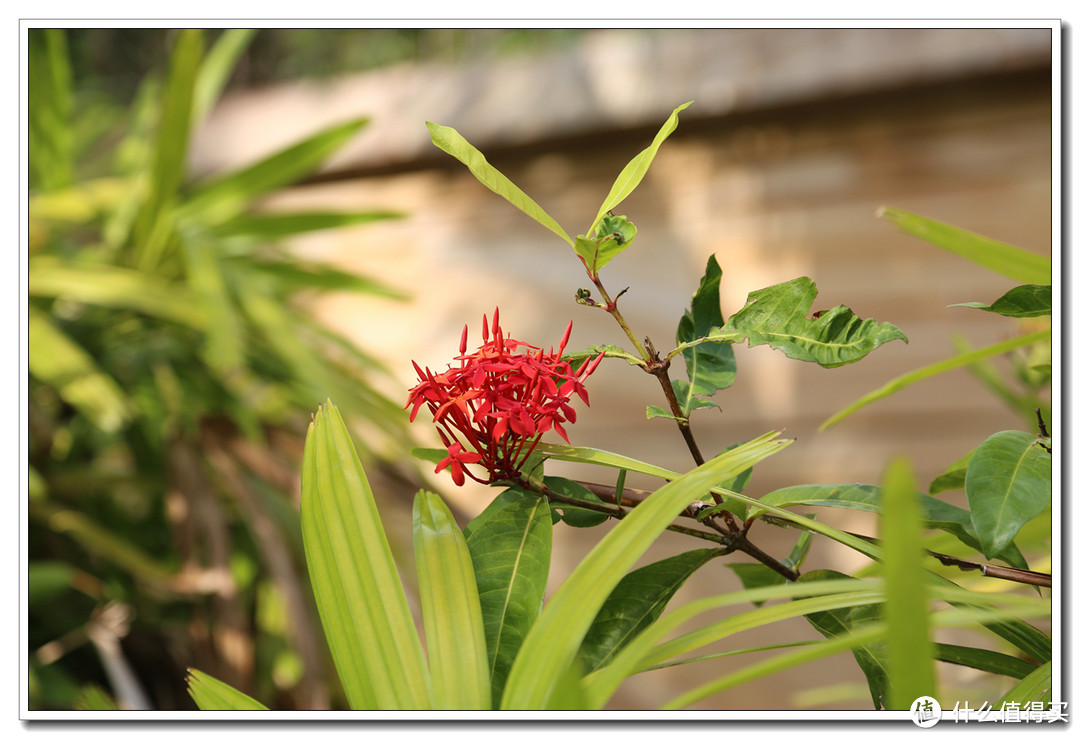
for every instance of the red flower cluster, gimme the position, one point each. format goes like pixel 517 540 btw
pixel 499 401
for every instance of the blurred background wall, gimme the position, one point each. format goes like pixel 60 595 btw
pixel 795 139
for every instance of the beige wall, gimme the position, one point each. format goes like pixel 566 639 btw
pixel 776 189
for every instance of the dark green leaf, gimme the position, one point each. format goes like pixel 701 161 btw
pixel 1025 301
pixel 841 622
pixel 576 517
pixel 511 554
pixel 49 110
pixel 709 366
pixel 984 659
pixel 637 601
pixel 754 575
pixel 953 477
pixel 777 316
pixel 1007 485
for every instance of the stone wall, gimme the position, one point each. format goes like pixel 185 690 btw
pixel 796 138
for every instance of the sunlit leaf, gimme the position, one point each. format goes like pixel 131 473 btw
pixel 960 360
pixel 217 67
pixel 210 694
pixel 554 640
pixel 1034 688
pixel 635 170
pixel 454 144
pixel 357 589
pixel 613 236
pixel 453 626
pixel 778 316
pixel 1016 264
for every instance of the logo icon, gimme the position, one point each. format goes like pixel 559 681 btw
pixel 925 712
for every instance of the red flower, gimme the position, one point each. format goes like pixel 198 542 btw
pixel 499 401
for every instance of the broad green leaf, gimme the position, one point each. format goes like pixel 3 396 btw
pixel 937 514
pixel 637 601
pixel 453 626
pixel 635 170
pixel 777 316
pixel 511 554
pixel 908 644
pixel 1024 301
pixel 1007 485
pixel 960 360
pixel 839 622
pixel 983 659
pixel 554 640
pixel 216 69
pixel 56 360
pixel 152 230
pixel 1034 688
pixel 222 198
pixel 614 235
pixel 49 109
pixel 210 694
pixel 709 367
pixel 454 144
pixel 359 594
pixel 577 517
pixel 1016 264
pixel 272 226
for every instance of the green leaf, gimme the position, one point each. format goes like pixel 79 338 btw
pixel 454 144
pixel 960 360
pixel 152 230
pixel 614 235
pixel 217 67
pixel 637 601
pixel 510 543
pixel 755 575
pixel 908 645
pixel 210 694
pixel 453 625
pixel 843 622
pixel 984 659
pixel 1016 264
pixel 225 340
pixel 777 316
pixel 1034 688
pixel 937 514
pixel 56 360
pixel 49 110
pixel 94 698
pixel 609 350
pixel 953 477
pixel 223 198
pixel 1007 485
pixel 709 367
pixel 577 517
pixel 271 226
pixel 1024 301
pixel 554 640
pixel 361 601
pixel 635 170
pixel 113 287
